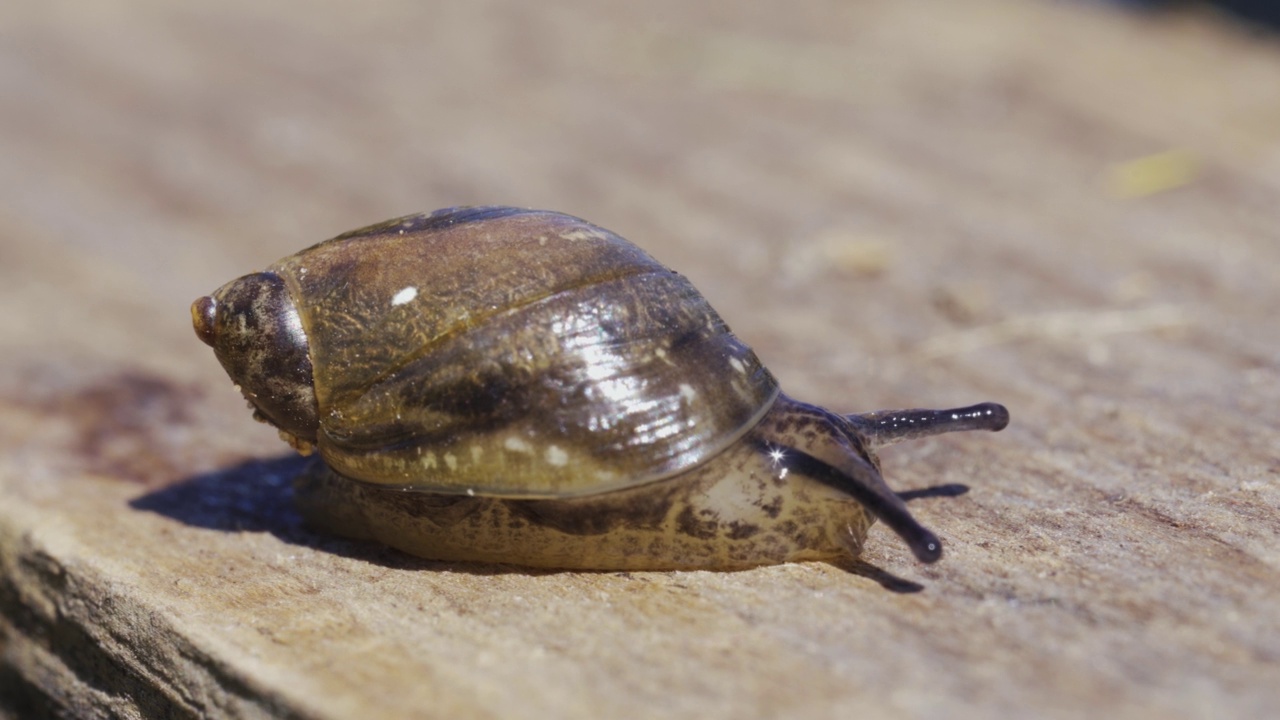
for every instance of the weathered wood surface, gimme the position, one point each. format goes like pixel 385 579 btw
pixel 896 203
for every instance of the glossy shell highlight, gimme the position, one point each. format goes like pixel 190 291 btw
pixel 515 353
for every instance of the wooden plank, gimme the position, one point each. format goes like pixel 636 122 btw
pixel 895 203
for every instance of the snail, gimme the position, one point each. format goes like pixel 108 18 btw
pixel 502 385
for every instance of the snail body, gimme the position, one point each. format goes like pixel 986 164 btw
pixel 502 385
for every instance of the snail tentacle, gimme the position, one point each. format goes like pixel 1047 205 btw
pixel 858 479
pixel 886 427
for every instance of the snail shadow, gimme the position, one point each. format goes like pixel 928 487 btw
pixel 880 576
pixel 948 490
pixel 254 496
pixel 257 496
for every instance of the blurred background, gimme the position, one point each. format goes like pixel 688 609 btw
pixel 183 144
pixel 1263 12
pixel 1066 206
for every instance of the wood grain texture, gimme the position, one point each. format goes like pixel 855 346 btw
pixel 896 204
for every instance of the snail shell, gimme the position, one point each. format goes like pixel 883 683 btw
pixel 521 386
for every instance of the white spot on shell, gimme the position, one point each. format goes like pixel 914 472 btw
pixel 687 392
pixel 579 234
pixel 451 461
pixel 404 296
pixel 471 492
pixel 515 444
pixel 429 461
pixel 737 365
pixel 556 456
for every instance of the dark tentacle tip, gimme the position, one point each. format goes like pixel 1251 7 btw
pixel 926 547
pixel 997 415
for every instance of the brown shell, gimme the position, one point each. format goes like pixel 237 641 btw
pixel 515 353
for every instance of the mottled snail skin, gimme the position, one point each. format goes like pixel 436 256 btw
pixel 502 385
